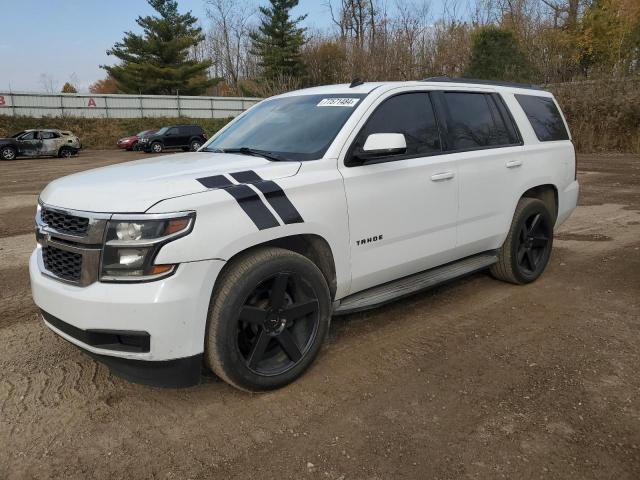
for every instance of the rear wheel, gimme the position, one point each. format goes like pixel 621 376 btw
pixel 195 145
pixel 526 251
pixel 65 152
pixel 268 318
pixel 8 153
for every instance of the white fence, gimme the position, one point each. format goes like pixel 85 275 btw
pixel 120 106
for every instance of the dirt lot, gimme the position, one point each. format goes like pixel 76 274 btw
pixel 477 379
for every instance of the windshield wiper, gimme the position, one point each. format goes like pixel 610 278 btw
pixel 251 151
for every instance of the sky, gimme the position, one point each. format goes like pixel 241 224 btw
pixel 68 39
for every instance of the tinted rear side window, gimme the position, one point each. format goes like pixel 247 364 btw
pixel 410 114
pixel 474 122
pixel 544 117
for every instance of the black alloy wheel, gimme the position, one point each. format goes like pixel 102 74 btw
pixel 534 242
pixel 527 248
pixel 277 324
pixel 269 315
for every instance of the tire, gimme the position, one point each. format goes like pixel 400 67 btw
pixel 8 153
pixel 195 145
pixel 65 152
pixel 156 147
pixel 526 251
pixel 264 301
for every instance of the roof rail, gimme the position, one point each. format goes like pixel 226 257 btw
pixel 481 82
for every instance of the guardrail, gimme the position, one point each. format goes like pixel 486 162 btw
pixel 120 106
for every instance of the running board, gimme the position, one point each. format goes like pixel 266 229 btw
pixel 376 296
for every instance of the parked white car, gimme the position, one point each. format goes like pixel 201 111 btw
pixel 314 203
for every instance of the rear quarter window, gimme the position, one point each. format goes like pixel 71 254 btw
pixel 544 116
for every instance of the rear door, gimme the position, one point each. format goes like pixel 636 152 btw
pixel 483 141
pixel 402 208
pixel 50 141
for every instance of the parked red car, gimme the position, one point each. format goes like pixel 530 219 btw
pixel 130 143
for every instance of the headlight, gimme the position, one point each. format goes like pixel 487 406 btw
pixel 132 243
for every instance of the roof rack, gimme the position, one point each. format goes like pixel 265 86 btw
pixel 481 82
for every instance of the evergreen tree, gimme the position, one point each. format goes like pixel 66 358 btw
pixel 278 40
pixel 158 62
pixel 495 55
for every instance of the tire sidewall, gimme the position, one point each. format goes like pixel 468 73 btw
pixel 531 209
pixel 156 147
pixel 192 146
pixel 225 314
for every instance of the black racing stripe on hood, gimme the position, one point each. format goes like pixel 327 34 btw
pixel 216 181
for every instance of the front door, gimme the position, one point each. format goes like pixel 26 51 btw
pixel 29 144
pixel 402 208
pixel 172 137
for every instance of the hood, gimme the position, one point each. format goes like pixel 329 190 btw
pixel 133 187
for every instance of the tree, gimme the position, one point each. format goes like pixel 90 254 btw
pixel 159 61
pixel 278 41
pixel 106 85
pixel 68 87
pixel 495 55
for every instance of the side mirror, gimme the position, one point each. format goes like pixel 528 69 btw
pixel 382 144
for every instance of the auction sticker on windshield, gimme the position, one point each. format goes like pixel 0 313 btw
pixel 338 102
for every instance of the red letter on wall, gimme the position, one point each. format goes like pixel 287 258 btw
pixel 2 101
pixel 92 103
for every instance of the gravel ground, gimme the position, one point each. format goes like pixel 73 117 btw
pixel 476 379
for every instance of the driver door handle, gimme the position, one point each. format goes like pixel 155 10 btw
pixel 440 177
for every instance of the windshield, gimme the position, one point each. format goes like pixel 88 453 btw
pixel 142 133
pixel 295 128
pixel 17 134
pixel 162 130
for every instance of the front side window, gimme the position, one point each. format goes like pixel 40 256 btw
pixel 47 135
pixel 544 116
pixel 29 136
pixel 299 127
pixel 475 121
pixel 410 114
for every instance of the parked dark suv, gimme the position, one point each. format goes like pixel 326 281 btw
pixel 186 137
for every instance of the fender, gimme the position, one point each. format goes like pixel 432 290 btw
pixel 241 211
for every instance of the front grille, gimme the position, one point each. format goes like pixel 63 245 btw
pixel 65 223
pixel 63 264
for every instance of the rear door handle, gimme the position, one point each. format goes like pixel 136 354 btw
pixel 439 177
pixel 513 163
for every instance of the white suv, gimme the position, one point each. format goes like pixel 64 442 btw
pixel 315 203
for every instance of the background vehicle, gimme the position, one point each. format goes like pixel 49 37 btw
pixel 314 203
pixel 131 143
pixel 38 143
pixel 185 137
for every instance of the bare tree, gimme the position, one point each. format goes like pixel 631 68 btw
pixel 48 83
pixel 228 38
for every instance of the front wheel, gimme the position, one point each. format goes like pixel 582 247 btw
pixel 8 153
pixel 156 147
pixel 268 318
pixel 526 251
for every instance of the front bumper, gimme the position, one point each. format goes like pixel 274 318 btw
pixel 170 314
